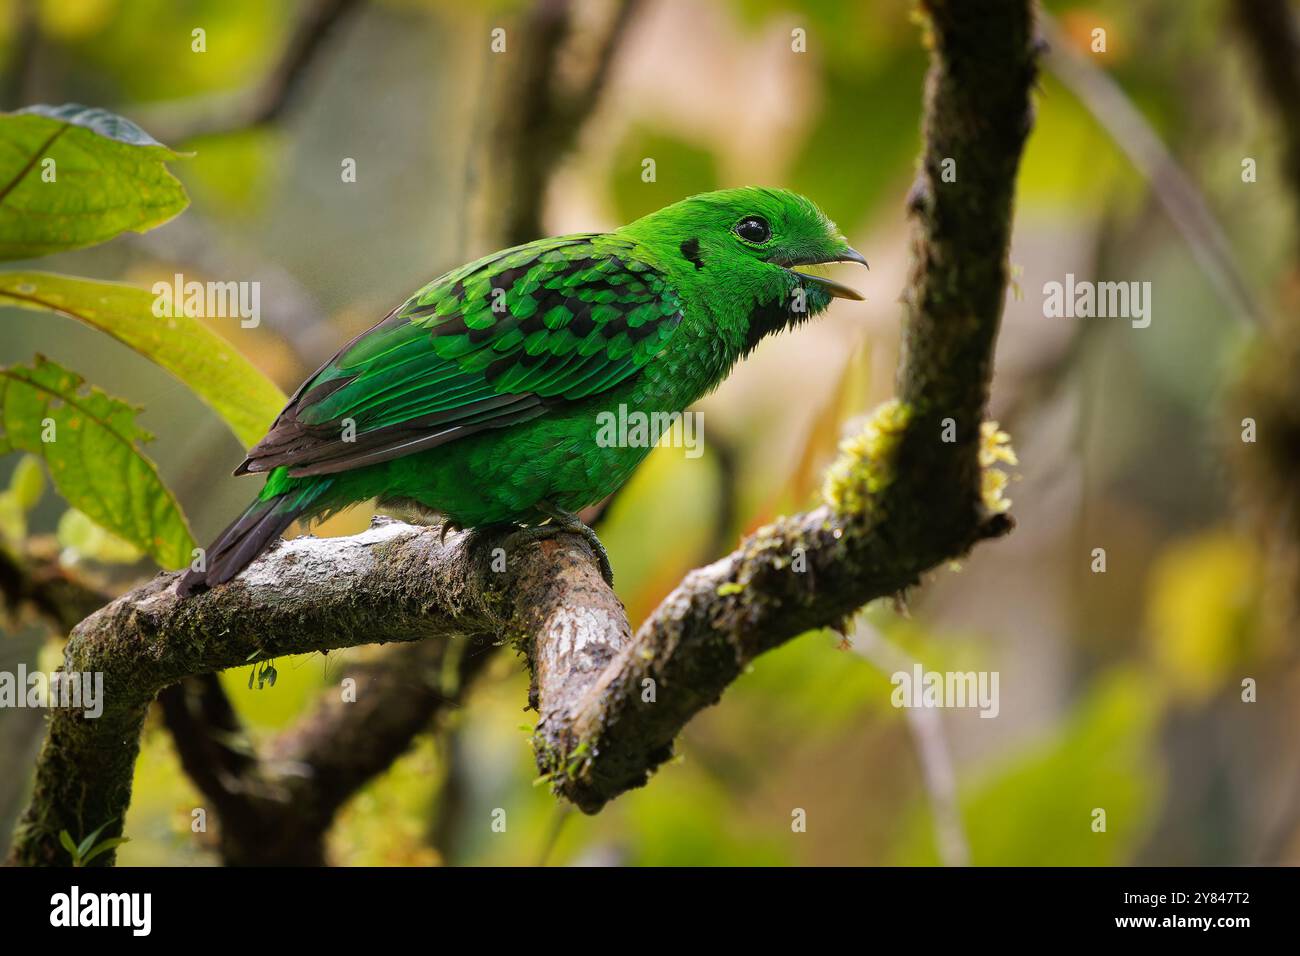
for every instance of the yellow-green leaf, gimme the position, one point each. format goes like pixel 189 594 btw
pixel 83 540
pixel 90 444
pixel 13 521
pixel 1203 612
pixel 27 482
pixel 210 366
pixel 72 176
pixel 26 485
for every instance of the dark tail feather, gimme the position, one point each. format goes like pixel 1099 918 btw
pixel 235 548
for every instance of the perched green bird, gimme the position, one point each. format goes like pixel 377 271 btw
pixel 479 397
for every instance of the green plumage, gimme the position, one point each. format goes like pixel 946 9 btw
pixel 479 396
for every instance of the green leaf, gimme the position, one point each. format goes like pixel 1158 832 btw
pixel 110 844
pixel 106 124
pixel 107 176
pixel 13 522
pixel 90 443
pixel 65 838
pixel 82 539
pixel 89 841
pixel 26 485
pixel 27 482
pixel 210 366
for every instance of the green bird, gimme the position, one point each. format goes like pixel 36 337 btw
pixel 480 397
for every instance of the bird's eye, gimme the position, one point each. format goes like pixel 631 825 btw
pixel 753 229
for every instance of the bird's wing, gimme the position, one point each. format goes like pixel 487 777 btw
pixel 500 341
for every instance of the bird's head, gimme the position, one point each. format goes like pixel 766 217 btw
pixel 746 254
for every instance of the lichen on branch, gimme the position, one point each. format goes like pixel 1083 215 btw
pixel 866 465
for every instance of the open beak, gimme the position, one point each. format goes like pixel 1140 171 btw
pixel 835 289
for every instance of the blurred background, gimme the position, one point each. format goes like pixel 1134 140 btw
pixel 1120 689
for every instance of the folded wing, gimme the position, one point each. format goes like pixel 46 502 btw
pixel 509 338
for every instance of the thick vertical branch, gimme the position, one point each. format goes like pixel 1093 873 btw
pixel 977 115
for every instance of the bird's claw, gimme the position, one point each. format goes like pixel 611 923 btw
pixel 602 556
pixel 562 522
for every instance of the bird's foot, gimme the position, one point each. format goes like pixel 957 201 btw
pixel 562 521
pixel 448 527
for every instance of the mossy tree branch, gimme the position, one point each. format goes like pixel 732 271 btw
pixel 392 583
pixel 274 805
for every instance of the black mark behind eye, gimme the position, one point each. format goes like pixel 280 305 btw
pixel 691 250
pixel 753 229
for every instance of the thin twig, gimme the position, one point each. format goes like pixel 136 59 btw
pixel 282 87
pixel 1174 190
pixel 926 726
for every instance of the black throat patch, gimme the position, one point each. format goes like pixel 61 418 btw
pixel 770 317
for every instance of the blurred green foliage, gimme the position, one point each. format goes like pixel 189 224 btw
pixel 680 169
pixel 1042 809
